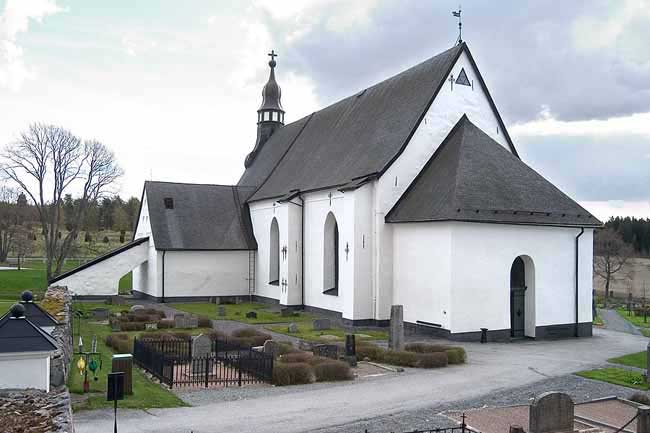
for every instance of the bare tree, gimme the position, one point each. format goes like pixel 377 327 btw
pixel 23 243
pixel 7 220
pixel 611 253
pixel 49 161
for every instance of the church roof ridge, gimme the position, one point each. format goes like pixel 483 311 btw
pixel 199 184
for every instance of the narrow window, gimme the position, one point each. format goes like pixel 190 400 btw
pixel 331 256
pixel 169 203
pixel 274 254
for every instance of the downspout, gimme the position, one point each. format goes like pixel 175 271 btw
pixel 163 276
pixel 302 250
pixel 582 230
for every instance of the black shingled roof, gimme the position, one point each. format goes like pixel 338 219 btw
pixel 204 217
pixel 353 138
pixel 35 313
pixel 21 335
pixel 471 177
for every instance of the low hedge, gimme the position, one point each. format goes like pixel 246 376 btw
pixel 205 322
pixel 294 357
pixel 296 373
pixel 370 351
pixel 456 355
pixel 249 337
pixel 432 360
pixel 166 324
pixel 132 326
pixel 401 358
pixel 332 370
pixel 425 347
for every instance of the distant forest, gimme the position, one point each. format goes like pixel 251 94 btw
pixel 635 231
pixel 107 214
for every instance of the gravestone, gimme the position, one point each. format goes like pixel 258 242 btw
pixel 286 312
pixel 292 328
pixel 350 350
pixel 149 326
pixel 326 350
pixel 201 349
pixel 251 315
pixel 115 326
pixel 396 332
pixel 551 412
pixel 272 348
pixel 100 313
pixel 192 322
pixel 135 308
pixel 322 324
pixel 221 311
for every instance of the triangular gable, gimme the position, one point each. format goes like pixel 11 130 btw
pixel 473 178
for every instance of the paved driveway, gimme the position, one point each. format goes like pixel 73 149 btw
pixel 491 367
pixel 613 321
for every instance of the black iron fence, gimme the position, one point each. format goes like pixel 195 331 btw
pixel 228 364
pixel 461 428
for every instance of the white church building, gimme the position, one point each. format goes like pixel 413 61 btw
pixel 409 192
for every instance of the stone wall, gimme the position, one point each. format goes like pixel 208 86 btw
pixel 36 411
pixel 58 302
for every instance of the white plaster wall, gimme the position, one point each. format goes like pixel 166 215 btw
pixel 25 370
pixel 422 274
pixel 103 277
pixel 445 111
pixel 262 214
pixel 482 255
pixel 147 276
pixel 363 253
pixel 206 273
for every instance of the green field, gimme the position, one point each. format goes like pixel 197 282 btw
pixel 638 321
pixel 238 312
pixel 146 394
pixel 617 376
pixel 632 360
pixel 306 332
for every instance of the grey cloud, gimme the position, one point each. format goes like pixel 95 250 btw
pixel 524 49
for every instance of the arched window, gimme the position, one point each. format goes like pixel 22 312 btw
pixel 274 254
pixel 331 256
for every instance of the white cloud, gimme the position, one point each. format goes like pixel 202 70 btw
pixel 548 125
pixel 15 19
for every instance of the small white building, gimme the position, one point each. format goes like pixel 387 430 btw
pixel 408 192
pixel 25 352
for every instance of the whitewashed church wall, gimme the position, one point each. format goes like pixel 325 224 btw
pixel 103 277
pixel 317 206
pixel 362 253
pixel 206 273
pixel 293 292
pixel 147 276
pixel 482 256
pixel 262 214
pixel 445 111
pixel 422 274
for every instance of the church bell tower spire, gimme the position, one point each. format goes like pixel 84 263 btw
pixel 270 115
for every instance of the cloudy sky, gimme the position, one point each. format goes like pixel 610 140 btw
pixel 172 86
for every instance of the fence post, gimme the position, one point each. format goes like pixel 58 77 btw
pixel 239 368
pixel 207 359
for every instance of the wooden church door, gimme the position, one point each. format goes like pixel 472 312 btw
pixel 517 298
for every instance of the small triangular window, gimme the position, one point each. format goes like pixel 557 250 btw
pixel 462 78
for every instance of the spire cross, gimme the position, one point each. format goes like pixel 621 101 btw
pixel 272 55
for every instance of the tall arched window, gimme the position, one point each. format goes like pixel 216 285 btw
pixel 274 254
pixel 331 256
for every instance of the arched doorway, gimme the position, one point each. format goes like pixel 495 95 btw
pixel 522 298
pixel 331 256
pixel 274 254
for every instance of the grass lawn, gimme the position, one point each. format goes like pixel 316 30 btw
pixel 632 360
pixel 146 394
pixel 617 376
pixel 238 312
pixel 638 321
pixel 4 306
pixel 306 332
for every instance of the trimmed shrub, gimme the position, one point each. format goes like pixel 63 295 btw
pixel 401 358
pixel 456 355
pixel 205 322
pixel 245 332
pixel 292 374
pixel 432 360
pixel 123 346
pixel 641 398
pixel 132 326
pixel 370 351
pixel 111 339
pixel 287 348
pixel 165 323
pixel 249 337
pixel 292 358
pixel 425 347
pixel 331 370
pixel 215 333
pixel 316 360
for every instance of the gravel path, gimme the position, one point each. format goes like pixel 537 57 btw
pixel 578 388
pixel 615 322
